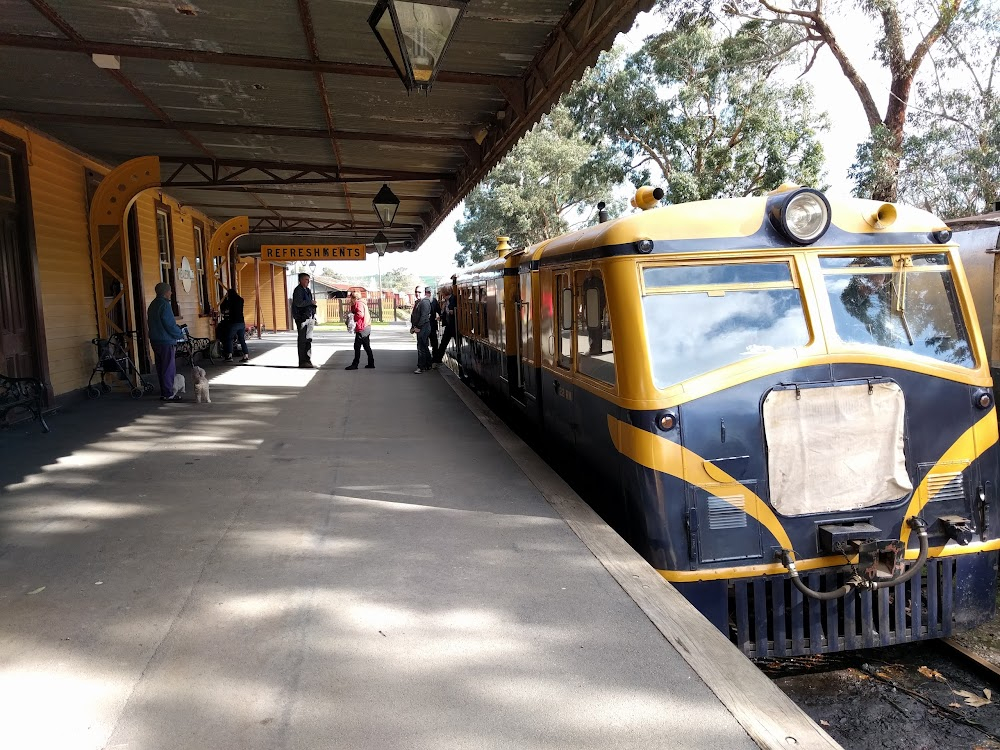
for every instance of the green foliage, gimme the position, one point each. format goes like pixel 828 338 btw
pixel 951 162
pixel 549 180
pixel 400 279
pixel 696 108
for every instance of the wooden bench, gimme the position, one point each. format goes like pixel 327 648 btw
pixel 22 393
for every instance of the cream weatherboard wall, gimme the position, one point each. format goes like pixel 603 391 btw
pixel 59 202
pixel 272 295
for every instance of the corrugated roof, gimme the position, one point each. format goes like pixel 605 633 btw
pixel 253 81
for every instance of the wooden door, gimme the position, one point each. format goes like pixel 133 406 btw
pixel 18 356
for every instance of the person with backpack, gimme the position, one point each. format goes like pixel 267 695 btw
pixel 362 332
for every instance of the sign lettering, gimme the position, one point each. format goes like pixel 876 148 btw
pixel 312 252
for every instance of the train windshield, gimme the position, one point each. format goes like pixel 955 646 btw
pixel 702 317
pixel 903 302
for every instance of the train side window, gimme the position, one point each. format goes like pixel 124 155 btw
pixel 565 321
pixel 483 330
pixel 595 355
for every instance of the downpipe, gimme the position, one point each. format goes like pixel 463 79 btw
pixel 856 581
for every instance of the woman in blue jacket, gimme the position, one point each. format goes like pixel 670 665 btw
pixel 164 333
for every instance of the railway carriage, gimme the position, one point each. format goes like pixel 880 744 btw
pixel 783 403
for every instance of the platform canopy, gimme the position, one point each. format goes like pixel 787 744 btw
pixel 288 111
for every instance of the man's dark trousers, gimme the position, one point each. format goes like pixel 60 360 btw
pixel 305 345
pixel 166 367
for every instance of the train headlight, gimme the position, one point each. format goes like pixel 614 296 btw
pixel 644 246
pixel 983 399
pixel 804 216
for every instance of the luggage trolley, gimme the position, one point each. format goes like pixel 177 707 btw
pixel 113 359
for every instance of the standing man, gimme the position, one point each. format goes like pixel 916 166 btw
pixel 164 333
pixel 420 320
pixel 303 308
pixel 362 332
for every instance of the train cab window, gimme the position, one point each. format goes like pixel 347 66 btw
pixel 565 297
pixel 700 317
pixel 902 302
pixel 594 353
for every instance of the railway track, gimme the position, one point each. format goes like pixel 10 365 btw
pixel 936 694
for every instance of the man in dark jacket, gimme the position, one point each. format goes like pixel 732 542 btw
pixel 448 315
pixel 303 309
pixel 236 325
pixel 420 324
pixel 164 333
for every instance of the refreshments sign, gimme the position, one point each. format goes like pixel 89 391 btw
pixel 312 252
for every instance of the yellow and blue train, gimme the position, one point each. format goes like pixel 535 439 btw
pixel 783 402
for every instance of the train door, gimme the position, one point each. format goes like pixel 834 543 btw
pixel 515 363
pixel 525 356
pixel 562 411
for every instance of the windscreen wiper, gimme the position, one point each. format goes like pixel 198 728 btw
pixel 899 288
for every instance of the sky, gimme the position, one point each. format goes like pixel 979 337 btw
pixel 848 128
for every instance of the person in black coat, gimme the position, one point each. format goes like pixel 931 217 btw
pixel 235 325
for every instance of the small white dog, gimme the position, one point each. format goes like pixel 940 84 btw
pixel 178 386
pixel 201 388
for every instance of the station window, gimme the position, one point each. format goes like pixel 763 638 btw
pixel 565 297
pixel 595 355
pixel 165 243
pixel 204 303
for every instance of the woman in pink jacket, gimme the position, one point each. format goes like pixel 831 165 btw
pixel 362 332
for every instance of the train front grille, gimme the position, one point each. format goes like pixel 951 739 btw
pixel 769 617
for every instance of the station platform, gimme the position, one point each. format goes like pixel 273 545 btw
pixel 332 559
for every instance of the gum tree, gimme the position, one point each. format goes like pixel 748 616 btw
pixel 697 109
pixel 549 183
pixel 907 31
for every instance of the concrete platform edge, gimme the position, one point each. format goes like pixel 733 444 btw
pixel 769 717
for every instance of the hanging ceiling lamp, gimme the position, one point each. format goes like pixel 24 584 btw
pixel 381 242
pixel 386 204
pixel 415 36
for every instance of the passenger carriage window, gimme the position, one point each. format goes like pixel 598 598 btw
pixel 565 321
pixel 741 310
pixel 594 354
pixel 901 302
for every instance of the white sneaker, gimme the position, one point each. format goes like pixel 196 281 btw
pixel 418 371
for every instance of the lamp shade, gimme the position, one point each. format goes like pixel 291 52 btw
pixel 381 242
pixel 386 204
pixel 415 36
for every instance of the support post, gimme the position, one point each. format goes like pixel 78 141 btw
pixel 256 293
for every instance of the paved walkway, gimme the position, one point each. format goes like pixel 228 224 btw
pixel 317 559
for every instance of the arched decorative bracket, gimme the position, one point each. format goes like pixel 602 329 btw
pixel 218 247
pixel 112 279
